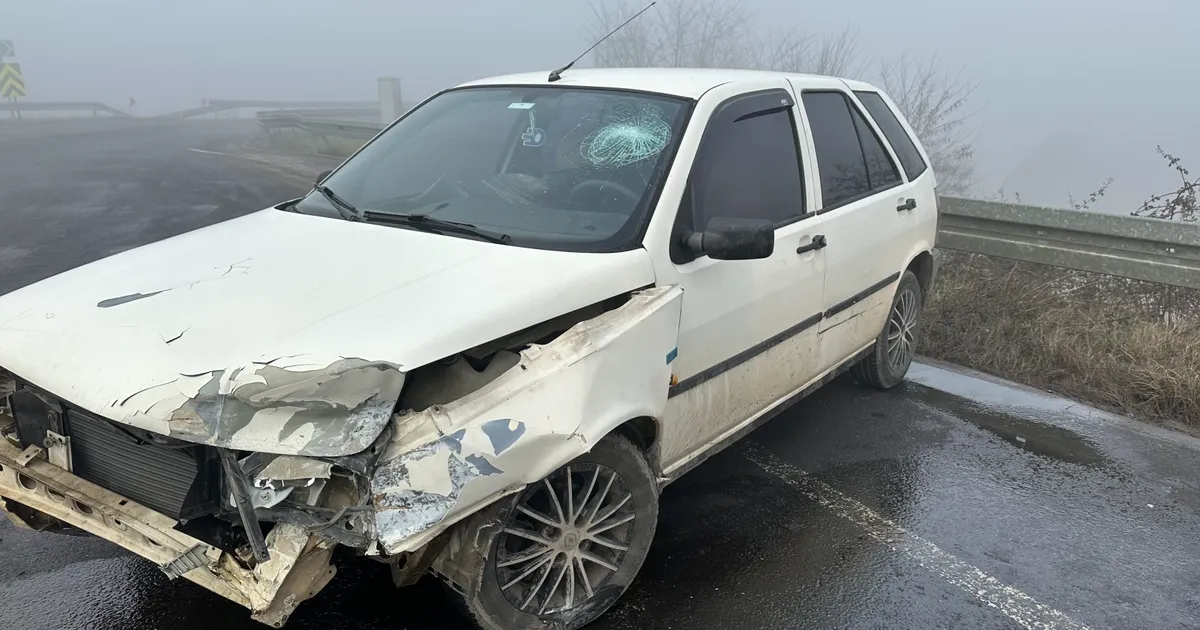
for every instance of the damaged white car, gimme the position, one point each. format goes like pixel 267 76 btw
pixel 482 346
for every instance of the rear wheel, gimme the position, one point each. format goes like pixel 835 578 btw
pixel 896 346
pixel 562 552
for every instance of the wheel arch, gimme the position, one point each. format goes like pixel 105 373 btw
pixel 644 432
pixel 923 267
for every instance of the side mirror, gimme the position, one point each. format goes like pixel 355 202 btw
pixel 733 239
pixel 322 176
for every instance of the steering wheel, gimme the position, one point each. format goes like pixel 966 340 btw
pixel 599 184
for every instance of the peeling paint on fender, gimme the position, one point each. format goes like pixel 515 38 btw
pixel 125 299
pixel 503 433
pixel 422 487
pixel 450 460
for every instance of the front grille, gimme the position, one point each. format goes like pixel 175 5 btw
pixel 174 481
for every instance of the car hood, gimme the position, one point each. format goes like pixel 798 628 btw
pixel 280 332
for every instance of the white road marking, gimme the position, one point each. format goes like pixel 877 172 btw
pixel 1014 604
pixel 208 152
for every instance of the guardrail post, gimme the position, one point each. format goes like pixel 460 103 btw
pixel 389 99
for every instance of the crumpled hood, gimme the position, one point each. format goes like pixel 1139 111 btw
pixel 280 332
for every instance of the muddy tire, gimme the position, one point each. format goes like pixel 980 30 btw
pixel 889 360
pixel 539 567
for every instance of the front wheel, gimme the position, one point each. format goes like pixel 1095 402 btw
pixel 893 353
pixel 561 552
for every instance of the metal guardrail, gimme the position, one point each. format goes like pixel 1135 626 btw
pixel 271 120
pixel 1167 252
pixel 220 105
pixel 60 106
pixel 339 113
pixel 352 128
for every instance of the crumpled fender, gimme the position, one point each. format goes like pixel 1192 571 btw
pixel 448 461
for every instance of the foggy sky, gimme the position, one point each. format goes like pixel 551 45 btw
pixel 1070 91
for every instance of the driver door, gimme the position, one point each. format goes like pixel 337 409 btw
pixel 748 332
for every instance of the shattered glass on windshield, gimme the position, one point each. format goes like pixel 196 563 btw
pixel 551 167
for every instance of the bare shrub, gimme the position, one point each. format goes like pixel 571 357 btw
pixel 1178 205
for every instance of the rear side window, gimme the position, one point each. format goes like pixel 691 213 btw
pixel 748 167
pixel 839 156
pixel 881 170
pixel 852 160
pixel 906 149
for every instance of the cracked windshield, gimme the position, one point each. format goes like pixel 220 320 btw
pixel 599 315
pixel 556 167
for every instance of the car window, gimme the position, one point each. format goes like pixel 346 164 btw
pixel 839 156
pixel 902 143
pixel 551 167
pixel 748 167
pixel 881 170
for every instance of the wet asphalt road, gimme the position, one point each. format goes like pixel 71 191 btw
pixel 951 502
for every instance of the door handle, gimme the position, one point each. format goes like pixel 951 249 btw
pixel 909 204
pixel 818 242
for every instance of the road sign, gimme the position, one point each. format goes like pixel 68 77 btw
pixel 12 83
pixel 7 49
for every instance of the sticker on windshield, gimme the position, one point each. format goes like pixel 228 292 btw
pixel 521 106
pixel 533 137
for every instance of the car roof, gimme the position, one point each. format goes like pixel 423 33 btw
pixel 685 82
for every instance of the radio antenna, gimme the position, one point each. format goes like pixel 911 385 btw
pixel 557 74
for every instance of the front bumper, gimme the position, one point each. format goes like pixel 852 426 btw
pixel 299 565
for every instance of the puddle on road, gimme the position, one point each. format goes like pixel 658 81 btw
pixel 1035 437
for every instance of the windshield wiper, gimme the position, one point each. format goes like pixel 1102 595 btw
pixel 426 222
pixel 344 208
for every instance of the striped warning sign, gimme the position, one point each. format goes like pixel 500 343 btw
pixel 12 83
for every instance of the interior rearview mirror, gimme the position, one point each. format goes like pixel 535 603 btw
pixel 322 176
pixel 727 238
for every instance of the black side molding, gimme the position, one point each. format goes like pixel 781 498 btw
pixel 778 409
pixel 742 357
pixel 861 295
pixel 767 344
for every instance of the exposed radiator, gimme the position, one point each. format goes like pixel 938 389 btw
pixel 175 481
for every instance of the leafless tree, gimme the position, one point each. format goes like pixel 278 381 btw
pixel 676 33
pixel 831 54
pixel 713 34
pixel 937 103
pixel 722 34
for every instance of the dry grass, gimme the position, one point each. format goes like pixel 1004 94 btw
pixel 1130 346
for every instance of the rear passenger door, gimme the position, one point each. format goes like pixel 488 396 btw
pixel 922 221
pixel 865 207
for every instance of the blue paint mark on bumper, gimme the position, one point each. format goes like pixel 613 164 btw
pixel 672 354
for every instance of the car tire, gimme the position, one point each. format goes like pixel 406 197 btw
pixel 499 594
pixel 887 364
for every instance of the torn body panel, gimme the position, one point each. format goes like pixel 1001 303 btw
pixel 450 460
pixel 329 411
pixel 298 567
pixel 299 405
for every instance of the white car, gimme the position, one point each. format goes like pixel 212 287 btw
pixel 480 347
